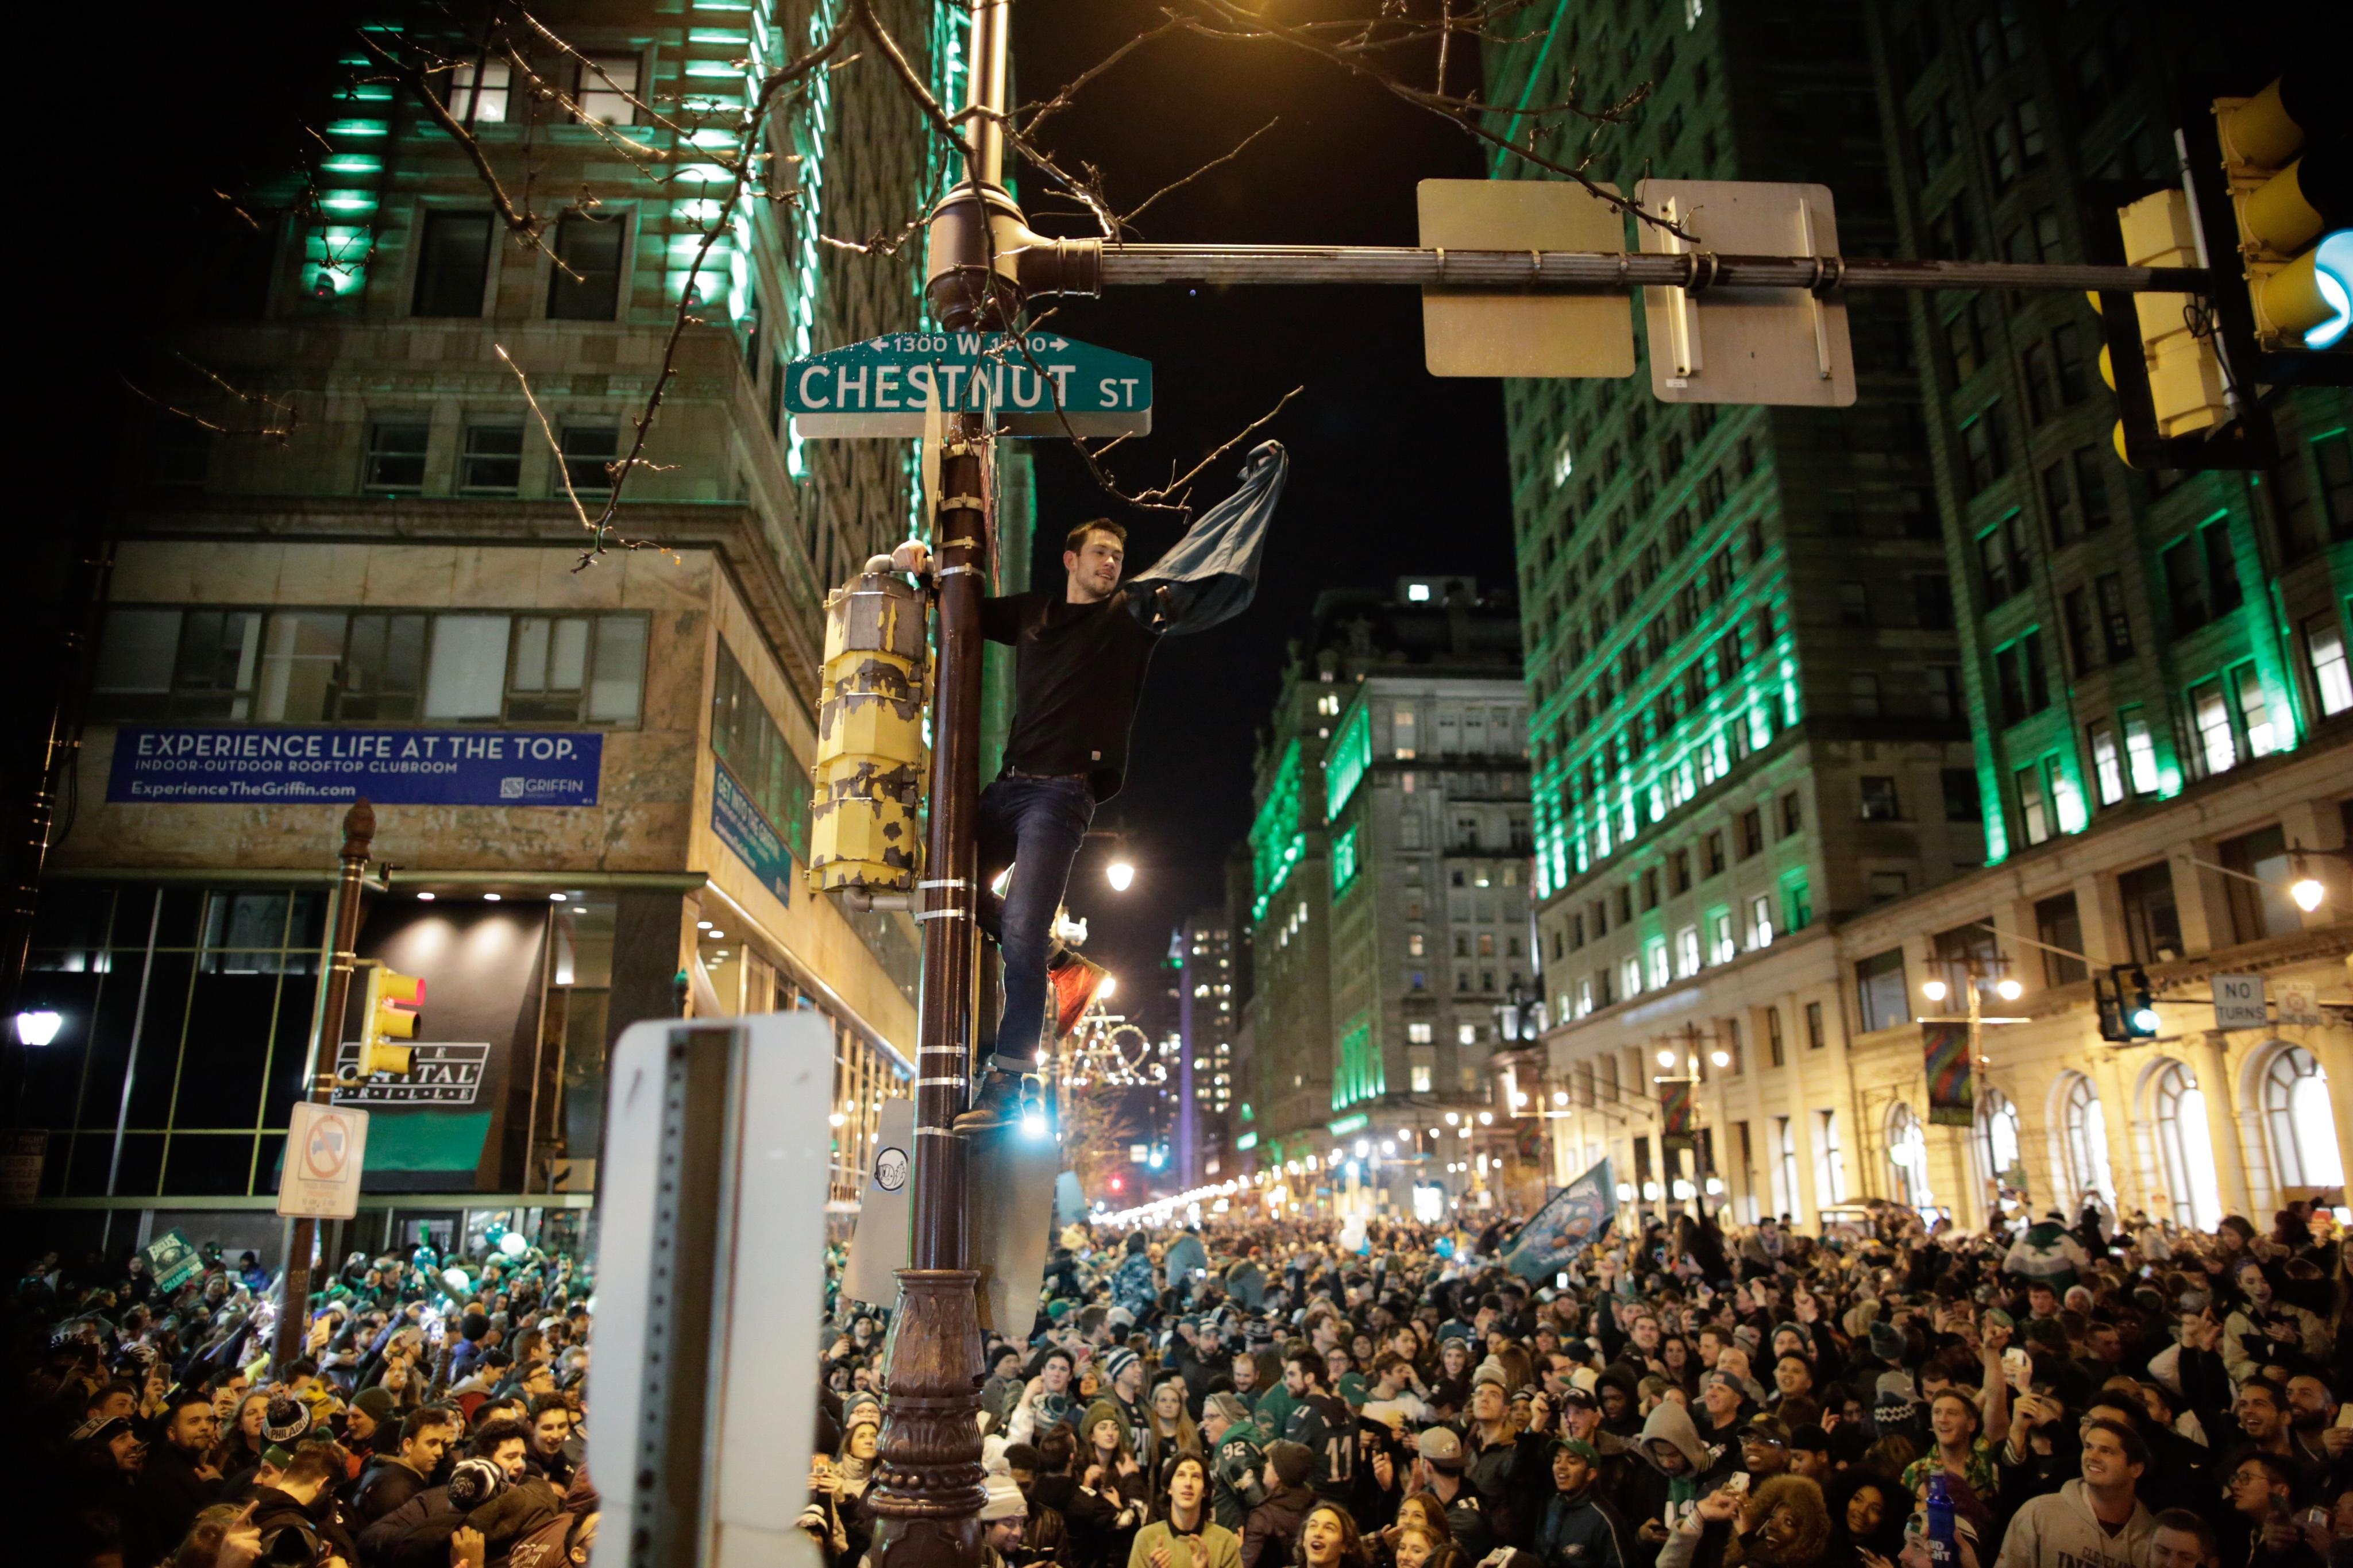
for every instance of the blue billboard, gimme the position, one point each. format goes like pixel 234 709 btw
pixel 178 763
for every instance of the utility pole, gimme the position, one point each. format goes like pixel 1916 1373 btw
pixel 326 1039
pixel 927 1489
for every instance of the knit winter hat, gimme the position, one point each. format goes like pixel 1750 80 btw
pixel 1490 1371
pixel 1004 1501
pixel 1887 1343
pixel 285 1420
pixel 1118 1362
pixel 475 1482
pixel 376 1402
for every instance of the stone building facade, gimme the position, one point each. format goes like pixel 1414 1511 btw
pixel 409 565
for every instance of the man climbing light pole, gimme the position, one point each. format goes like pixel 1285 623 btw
pixel 1079 661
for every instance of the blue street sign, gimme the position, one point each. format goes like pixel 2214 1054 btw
pixel 1040 383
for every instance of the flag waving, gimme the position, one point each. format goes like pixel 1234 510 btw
pixel 1572 1219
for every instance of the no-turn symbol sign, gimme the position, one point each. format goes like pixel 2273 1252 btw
pixel 326 1150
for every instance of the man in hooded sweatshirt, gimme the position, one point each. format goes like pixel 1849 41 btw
pixel 2093 1521
pixel 1678 1469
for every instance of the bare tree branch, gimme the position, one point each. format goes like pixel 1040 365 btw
pixel 1229 157
pixel 277 430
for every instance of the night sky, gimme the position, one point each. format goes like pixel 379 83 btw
pixel 1366 502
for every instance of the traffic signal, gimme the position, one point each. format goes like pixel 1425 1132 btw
pixel 391 1013
pixel 2186 379
pixel 2284 156
pixel 2136 1002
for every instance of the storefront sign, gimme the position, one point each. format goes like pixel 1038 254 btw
pixel 440 1074
pixel 391 767
pixel 744 829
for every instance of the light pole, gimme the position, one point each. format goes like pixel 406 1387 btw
pixel 1976 970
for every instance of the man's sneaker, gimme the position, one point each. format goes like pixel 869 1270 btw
pixel 998 1103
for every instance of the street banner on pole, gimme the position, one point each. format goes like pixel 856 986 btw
pixel 1678 1116
pixel 1573 1218
pixel 1952 1089
pixel 326 1147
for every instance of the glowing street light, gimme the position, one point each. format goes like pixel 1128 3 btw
pixel 2009 990
pixel 2306 890
pixel 1666 1059
pixel 1720 1058
pixel 1120 873
pixel 38 1026
pixel 1107 988
pixel 1934 990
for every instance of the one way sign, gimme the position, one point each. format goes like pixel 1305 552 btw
pixel 1039 384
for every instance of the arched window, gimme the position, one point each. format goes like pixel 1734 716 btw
pixel 1997 1132
pixel 2084 1131
pixel 2185 1144
pixel 2296 1114
pixel 1908 1156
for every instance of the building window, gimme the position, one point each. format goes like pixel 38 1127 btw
pixel 2257 895
pixel 1880 993
pixel 1816 1037
pixel 1721 947
pixel 1760 922
pixel 2324 652
pixel 2297 1116
pixel 2057 925
pixel 1799 900
pixel 1829 1159
pixel 2152 923
pixel 1908 1157
pixel 1629 975
pixel 479 99
pixel 2185 1140
pixel 2034 809
pixel 1784 1169
pixel 1687 953
pixel 607 84
pixel 2084 1139
pixel 1982 452
pixel 492 461
pixel 1879 803
pixel 1659 971
pixel 1882 886
pixel 396 456
pixel 1751 825
pixel 1413 945
pixel 453 264
pixel 2185 596
pixel 1863 695
pixel 590 451
pixel 1776 1052
pixel 1793 817
pixel 2217 749
pixel 1997 1140
pixel 593 247
pixel 1712 853
pixel 2107 763
pixel 2140 753
pixel 299 667
pixel 2254 711
pixel 2223 592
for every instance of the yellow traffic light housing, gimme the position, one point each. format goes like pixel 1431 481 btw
pixel 391 1013
pixel 2186 378
pixel 2287 200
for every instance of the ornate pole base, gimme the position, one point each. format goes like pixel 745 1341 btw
pixel 926 1493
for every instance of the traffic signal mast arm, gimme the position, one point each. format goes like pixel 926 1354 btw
pixel 1087 267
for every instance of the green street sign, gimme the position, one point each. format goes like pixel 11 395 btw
pixel 1040 384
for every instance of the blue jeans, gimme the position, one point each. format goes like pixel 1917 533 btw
pixel 1036 826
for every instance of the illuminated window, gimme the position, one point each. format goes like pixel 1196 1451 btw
pixel 607 82
pixel 481 102
pixel 2324 647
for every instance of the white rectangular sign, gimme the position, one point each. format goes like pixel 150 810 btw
pixel 326 1149
pixel 2299 1002
pixel 2238 1002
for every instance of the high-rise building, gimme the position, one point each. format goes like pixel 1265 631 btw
pixel 1747 714
pixel 2123 636
pixel 1202 953
pixel 614 816
pixel 1389 901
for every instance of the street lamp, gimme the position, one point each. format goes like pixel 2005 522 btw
pixel 1106 988
pixel 38 1026
pixel 1720 1058
pixel 2306 889
pixel 1120 873
pixel 2008 989
pixel 1666 1059
pixel 1932 989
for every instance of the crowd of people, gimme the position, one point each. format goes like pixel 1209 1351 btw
pixel 1260 1395
pixel 431 1418
pixel 2040 1395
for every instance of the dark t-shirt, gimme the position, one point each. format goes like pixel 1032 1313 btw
pixel 1078 674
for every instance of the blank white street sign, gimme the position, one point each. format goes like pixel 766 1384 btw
pixel 326 1149
pixel 2238 1002
pixel 1745 345
pixel 1494 332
